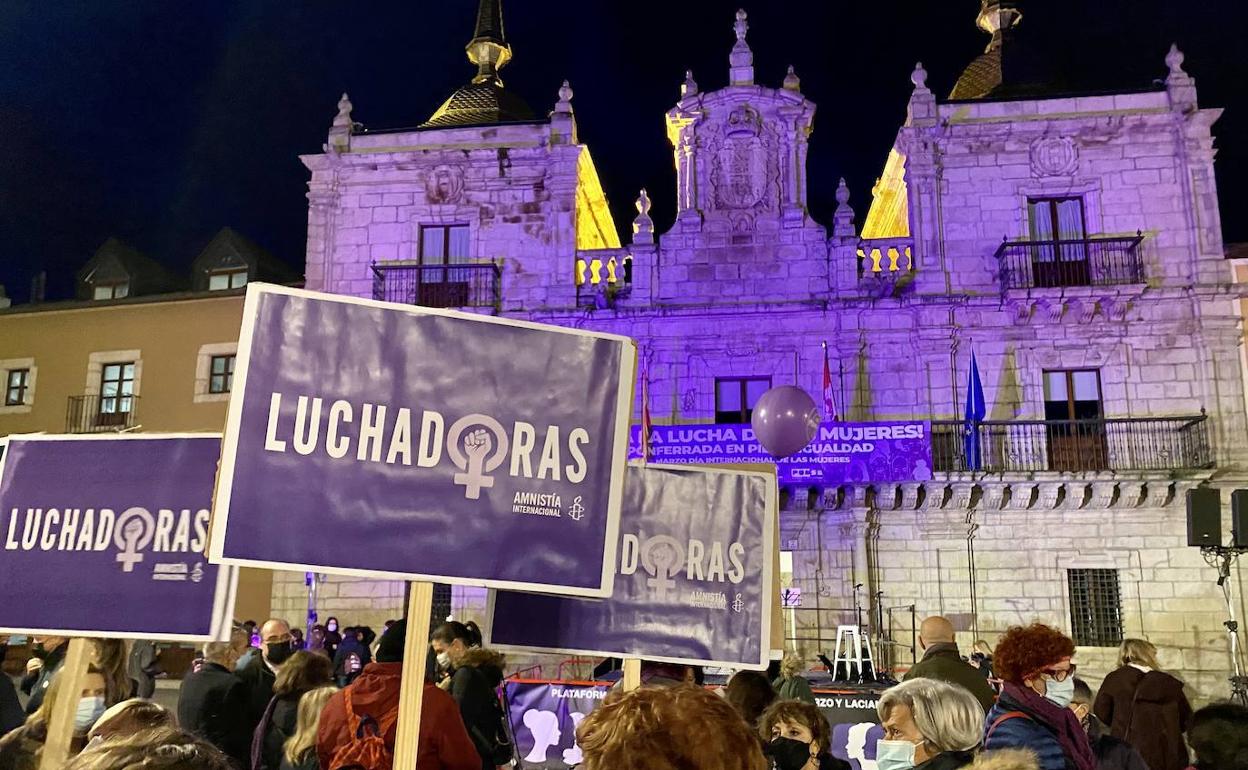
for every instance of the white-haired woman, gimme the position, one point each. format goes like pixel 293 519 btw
pixel 928 724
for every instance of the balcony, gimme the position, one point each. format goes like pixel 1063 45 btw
pixel 1078 262
pixel 446 286
pixel 101 414
pixel 1125 444
pixel 885 257
pixel 602 277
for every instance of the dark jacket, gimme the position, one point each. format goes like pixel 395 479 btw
pixel 142 668
pixel 36 684
pixel 11 714
pixel 258 681
pixel 310 763
pixel 213 705
pixel 281 725
pixel 1022 733
pixel 473 686
pixel 942 662
pixel 794 688
pixel 348 646
pixel 443 744
pixel 1150 712
pixel 948 760
pixel 1112 753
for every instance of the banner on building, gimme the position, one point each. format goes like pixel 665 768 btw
pixel 544 716
pixel 694 583
pixel 841 452
pixel 105 536
pixel 381 440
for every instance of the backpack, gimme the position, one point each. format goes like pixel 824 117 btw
pixel 367 749
pixel 498 745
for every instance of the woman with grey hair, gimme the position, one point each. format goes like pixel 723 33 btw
pixel 928 724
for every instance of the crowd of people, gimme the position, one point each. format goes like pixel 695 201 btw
pixel 269 700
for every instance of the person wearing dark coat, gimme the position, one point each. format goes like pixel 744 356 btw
pixel 942 661
pixel 303 672
pixel 49 655
pixel 11 714
pixel 475 674
pixel 353 644
pixel 333 637
pixel 1146 707
pixel 212 702
pixel 1111 753
pixel 260 674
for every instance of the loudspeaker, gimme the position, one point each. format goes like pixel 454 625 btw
pixel 1204 517
pixel 1239 518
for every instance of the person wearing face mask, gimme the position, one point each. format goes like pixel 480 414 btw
pixel 47 656
pixel 1032 713
pixel 1111 753
pixel 212 702
pixel 797 737
pixel 22 749
pixel 928 724
pixel 276 647
pixel 332 637
pixel 475 674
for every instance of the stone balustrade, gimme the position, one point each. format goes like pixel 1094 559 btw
pixel 878 256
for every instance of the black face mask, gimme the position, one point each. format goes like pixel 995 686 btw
pixel 38 651
pixel 278 653
pixel 788 753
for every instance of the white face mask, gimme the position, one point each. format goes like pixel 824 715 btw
pixel 444 659
pixel 894 755
pixel 1060 693
pixel 89 710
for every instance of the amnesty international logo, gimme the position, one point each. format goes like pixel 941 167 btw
pixel 477 444
pixel 576 511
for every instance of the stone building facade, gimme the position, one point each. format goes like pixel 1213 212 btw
pixel 1073 242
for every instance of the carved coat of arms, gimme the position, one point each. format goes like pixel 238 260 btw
pixel 741 165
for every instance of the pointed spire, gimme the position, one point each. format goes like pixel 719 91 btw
pixel 343 118
pixel 996 17
pixel 643 225
pixel 791 81
pixel 741 58
pixel 564 105
pixel 690 86
pixel 488 48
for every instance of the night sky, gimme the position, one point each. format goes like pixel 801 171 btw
pixel 159 122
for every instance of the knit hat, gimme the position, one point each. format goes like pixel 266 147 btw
pixel 390 649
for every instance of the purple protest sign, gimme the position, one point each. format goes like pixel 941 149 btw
pixel 105 536
pixel 544 717
pixel 840 452
pixel 382 440
pixel 694 582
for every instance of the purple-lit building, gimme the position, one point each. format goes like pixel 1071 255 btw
pixel 1073 240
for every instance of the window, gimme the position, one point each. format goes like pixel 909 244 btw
pixel 221 280
pixel 735 397
pixel 444 244
pixel 111 290
pixel 221 377
pixel 116 393
pixel 17 382
pixel 1074 420
pixel 1095 607
pixel 1060 250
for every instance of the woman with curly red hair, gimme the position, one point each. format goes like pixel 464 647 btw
pixel 1032 712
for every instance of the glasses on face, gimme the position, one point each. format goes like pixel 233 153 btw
pixel 1058 675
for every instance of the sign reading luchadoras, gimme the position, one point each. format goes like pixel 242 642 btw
pixel 105 536
pixel 694 582
pixel 383 440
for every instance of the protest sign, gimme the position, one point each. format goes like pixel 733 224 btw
pixel 104 536
pixel 840 451
pixel 381 440
pixel 694 583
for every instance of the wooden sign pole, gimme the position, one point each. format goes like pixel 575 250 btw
pixel 71 677
pixel 632 674
pixel 415 654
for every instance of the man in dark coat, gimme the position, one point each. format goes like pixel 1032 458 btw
pixel 942 661
pixel 1111 753
pixel 276 645
pixel 49 655
pixel 213 701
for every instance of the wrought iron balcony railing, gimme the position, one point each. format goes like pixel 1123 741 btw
pixel 1123 444
pixel 1078 262
pixel 468 285
pixel 101 414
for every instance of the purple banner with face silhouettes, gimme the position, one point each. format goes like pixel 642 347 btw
pixel 694 581
pixel 106 536
pixel 840 452
pixel 392 441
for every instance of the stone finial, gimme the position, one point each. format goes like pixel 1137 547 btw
pixel 1174 60
pixel 842 193
pixel 742 58
pixel 791 81
pixel 919 77
pixel 343 118
pixel 843 217
pixel 690 86
pixel 564 105
pixel 643 225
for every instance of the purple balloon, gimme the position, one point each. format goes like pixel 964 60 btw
pixel 785 420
